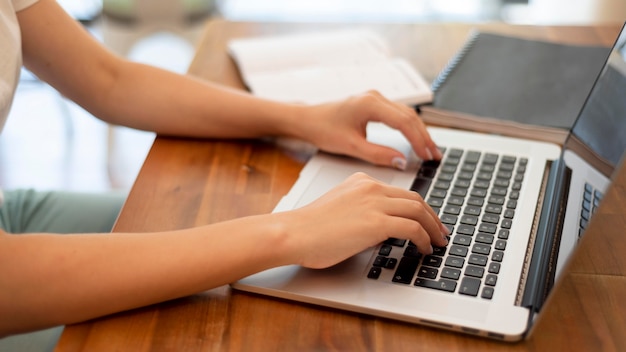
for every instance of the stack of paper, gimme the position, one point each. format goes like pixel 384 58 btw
pixel 316 68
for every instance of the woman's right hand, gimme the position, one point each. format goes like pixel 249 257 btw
pixel 359 213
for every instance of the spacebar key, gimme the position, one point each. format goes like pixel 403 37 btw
pixel 406 270
pixel 421 185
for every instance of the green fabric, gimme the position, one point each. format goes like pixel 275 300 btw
pixel 126 8
pixel 28 211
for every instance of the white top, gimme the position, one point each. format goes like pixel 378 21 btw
pixel 10 55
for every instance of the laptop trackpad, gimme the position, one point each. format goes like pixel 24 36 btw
pixel 335 170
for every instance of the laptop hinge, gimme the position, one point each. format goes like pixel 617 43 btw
pixel 542 265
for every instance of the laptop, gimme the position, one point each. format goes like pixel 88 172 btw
pixel 517 208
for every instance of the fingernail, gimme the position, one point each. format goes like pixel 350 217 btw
pixel 429 154
pixel 438 154
pixel 399 163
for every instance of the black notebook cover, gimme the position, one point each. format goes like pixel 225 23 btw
pixel 526 81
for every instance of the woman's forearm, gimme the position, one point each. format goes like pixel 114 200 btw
pixel 72 278
pixel 153 99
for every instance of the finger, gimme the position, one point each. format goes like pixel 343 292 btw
pixel 414 232
pixel 379 154
pixel 421 213
pixel 430 144
pixel 423 209
pixel 407 121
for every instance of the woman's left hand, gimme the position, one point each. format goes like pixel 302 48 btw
pixel 340 128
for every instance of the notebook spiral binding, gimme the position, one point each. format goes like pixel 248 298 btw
pixel 453 62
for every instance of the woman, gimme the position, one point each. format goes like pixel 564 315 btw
pixel 50 279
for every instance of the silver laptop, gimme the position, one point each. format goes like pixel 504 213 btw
pixel 517 209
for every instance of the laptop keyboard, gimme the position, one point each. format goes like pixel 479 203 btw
pixel 591 200
pixel 475 194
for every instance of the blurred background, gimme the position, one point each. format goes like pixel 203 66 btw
pixel 50 143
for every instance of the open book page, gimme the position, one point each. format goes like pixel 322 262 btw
pixel 394 79
pixel 321 67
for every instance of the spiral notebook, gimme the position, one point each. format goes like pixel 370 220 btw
pixel 504 84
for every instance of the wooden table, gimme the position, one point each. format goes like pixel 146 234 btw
pixel 186 183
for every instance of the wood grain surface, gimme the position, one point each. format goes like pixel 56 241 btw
pixel 187 182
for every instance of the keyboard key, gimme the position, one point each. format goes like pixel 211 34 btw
pixel 481 184
pixel 438 193
pixel 477 202
pixel 421 185
pixel 444 285
pixel 509 159
pixel 472 157
pixel 484 238
pixel 385 250
pixel 466 230
pixel 458 201
pixel 491 280
pixel 391 263
pixel 435 202
pixel 494 268
pixel 439 251
pixel 469 286
pixel 478 259
pixel 500 182
pixel 503 234
pixel 397 242
pixel 446 177
pixel 497 256
pixel 498 191
pixel 459 251
pixel 374 273
pixel 491 218
pixel 487 292
pixel 481 249
pixel 380 261
pixel 406 270
pixel 429 273
pixel 474 271
pixel 452 209
pixel 449 219
pixel 500 245
pixel 472 210
pixel 451 273
pixel 432 260
pixel 478 192
pixel 499 200
pixel 469 220
pixel 455 153
pixel 411 251
pixel 462 183
pixel 493 209
pixel 488 228
pixel 455 262
pixel 462 240
pixel 507 167
pixel 490 158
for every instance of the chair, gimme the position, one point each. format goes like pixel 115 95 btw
pixel 125 22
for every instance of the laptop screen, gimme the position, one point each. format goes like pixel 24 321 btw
pixel 601 125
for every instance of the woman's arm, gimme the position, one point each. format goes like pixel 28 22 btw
pixel 49 279
pixel 58 50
